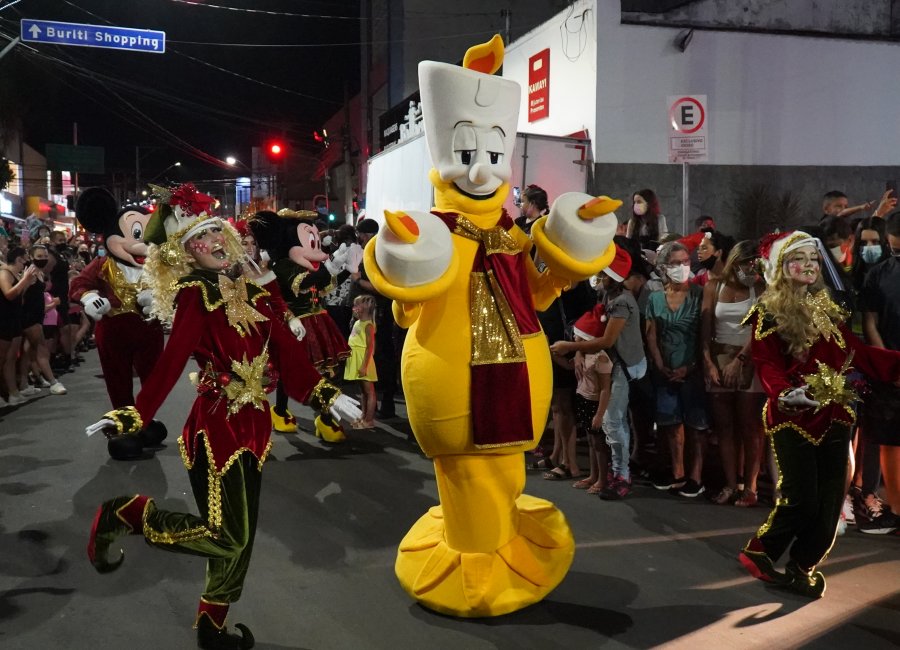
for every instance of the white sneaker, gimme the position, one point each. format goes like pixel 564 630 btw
pixel 847 510
pixel 43 383
pixel 15 400
pixel 3 403
pixel 30 391
pixel 842 525
pixel 56 388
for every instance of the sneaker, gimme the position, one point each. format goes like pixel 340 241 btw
pixel 43 383
pixel 847 510
pixel 725 496
pixel 878 518
pixel 618 488
pixel 15 400
pixel 56 388
pixel 666 482
pixel 691 489
pixel 30 391
pixel 842 524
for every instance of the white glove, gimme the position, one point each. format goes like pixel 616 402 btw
pixel 145 300
pixel 346 409
pixel 341 255
pixel 296 325
pixel 105 423
pixel 95 306
pixel 797 399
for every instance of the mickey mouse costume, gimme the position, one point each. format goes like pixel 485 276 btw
pixel 111 292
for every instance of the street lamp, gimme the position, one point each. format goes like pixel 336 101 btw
pixel 231 160
pixel 175 164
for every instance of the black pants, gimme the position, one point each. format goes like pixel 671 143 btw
pixel 812 479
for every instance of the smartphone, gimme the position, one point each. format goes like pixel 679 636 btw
pixel 517 196
pixel 891 186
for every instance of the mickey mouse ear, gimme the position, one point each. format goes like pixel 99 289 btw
pixel 96 210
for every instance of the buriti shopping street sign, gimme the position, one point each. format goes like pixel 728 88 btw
pixel 108 36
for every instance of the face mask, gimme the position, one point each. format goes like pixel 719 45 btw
pixel 838 253
pixel 679 274
pixel 640 209
pixel 101 252
pixel 871 253
pixel 40 263
pixel 746 279
pixel 708 263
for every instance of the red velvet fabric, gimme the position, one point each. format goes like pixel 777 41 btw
pixel 210 339
pixel 492 424
pixel 779 371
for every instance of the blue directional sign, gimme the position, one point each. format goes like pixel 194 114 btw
pixel 117 38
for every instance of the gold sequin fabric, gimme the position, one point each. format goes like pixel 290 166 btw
pixel 495 240
pixel 240 313
pixel 825 316
pixel 247 389
pixel 124 290
pixel 495 334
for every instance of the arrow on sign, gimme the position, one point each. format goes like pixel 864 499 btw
pixel 35 31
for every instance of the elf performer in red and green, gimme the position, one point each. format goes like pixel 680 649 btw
pixel 242 348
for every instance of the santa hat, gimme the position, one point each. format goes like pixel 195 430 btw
pixel 620 267
pixel 592 324
pixel 775 246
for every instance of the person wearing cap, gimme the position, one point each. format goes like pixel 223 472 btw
pixel 622 339
pixel 804 350
pixel 242 348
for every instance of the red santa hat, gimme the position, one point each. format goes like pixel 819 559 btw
pixel 592 324
pixel 620 267
pixel 774 246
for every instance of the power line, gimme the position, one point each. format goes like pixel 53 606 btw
pixel 262 11
pixel 308 45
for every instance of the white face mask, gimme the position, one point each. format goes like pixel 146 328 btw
pixel 679 274
pixel 838 254
pixel 640 209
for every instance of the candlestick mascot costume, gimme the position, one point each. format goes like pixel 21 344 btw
pixel 241 347
pixel 475 365
pixel 305 273
pixel 111 290
pixel 803 350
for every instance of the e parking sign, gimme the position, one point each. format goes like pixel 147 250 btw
pixel 687 118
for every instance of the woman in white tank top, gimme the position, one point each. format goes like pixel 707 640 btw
pixel 735 393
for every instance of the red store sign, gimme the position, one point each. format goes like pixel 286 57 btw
pixel 539 86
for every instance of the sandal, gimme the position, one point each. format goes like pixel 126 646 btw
pixel 561 472
pixel 726 495
pixel 583 484
pixel 544 463
pixel 595 488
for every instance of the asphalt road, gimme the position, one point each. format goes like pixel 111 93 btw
pixel 650 571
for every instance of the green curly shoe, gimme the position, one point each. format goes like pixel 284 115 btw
pixel 809 583
pixel 115 518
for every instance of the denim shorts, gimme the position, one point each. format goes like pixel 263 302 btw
pixel 680 402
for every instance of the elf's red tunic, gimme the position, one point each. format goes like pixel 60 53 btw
pixel 201 328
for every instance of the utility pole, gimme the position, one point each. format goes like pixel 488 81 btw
pixel 506 14
pixel 348 170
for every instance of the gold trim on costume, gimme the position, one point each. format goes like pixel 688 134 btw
pixel 495 334
pixel 124 290
pixel 160 537
pixel 297 281
pixel 220 300
pixel 247 389
pixel 496 240
pixel 792 425
pixel 829 385
pixel 240 313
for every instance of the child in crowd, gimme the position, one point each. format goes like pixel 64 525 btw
pixel 594 371
pixel 360 366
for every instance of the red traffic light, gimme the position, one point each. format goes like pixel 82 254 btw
pixel 275 151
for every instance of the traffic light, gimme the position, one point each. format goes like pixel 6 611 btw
pixel 275 151
pixel 331 217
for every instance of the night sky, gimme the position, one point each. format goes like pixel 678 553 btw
pixel 187 106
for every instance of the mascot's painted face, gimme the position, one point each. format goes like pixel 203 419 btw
pixel 129 246
pixel 207 247
pixel 308 253
pixel 802 265
pixel 470 125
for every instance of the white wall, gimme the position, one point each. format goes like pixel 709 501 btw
pixel 773 99
pixel 573 71
pixel 398 179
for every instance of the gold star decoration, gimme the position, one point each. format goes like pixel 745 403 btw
pixel 240 313
pixel 823 313
pixel 248 387
pixel 830 386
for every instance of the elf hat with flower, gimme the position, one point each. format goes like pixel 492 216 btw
pixel 774 247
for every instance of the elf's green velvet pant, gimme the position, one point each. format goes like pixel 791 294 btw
pixel 224 530
pixel 812 478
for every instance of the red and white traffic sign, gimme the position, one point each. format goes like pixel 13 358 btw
pixel 687 119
